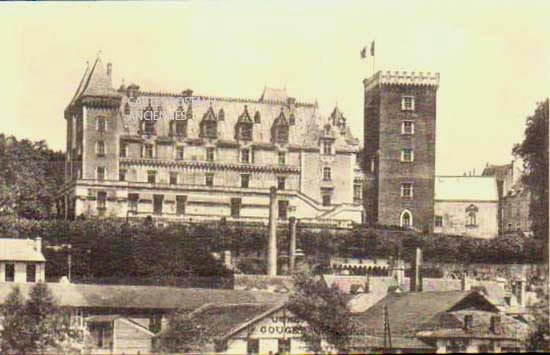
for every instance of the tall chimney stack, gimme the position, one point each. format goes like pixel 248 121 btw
pixel 416 277
pixel 292 223
pixel 38 244
pixel 272 244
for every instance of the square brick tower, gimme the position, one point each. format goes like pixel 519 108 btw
pixel 399 138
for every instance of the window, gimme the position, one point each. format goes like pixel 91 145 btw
pixel 210 154
pixel 235 207
pixel 407 103
pixel 245 156
pixel 181 128
pixel 407 190
pixel 123 150
pixel 100 149
pixel 148 123
pixel 151 176
pixel 101 200
pixel 245 180
pixel 157 204
pixel 209 179
pixel 406 219
pixel 173 178
pixel 282 158
pixel 179 153
pixel 245 131
pixel 438 221
pixel 407 155
pixel 471 216
pixel 283 209
pixel 122 175
pixel 133 200
pixel 210 129
pixel 327 148
pixel 292 119
pixel 31 272
pixel 252 346
pixel 9 273
pixel 283 346
pixel 407 127
pixel 281 182
pixel 326 196
pixel 327 174
pixel 101 173
pixel 181 201
pixel 101 124
pixel 148 151
pixel 257 117
pixel 357 192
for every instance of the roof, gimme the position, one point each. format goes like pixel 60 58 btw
pixel 466 188
pixel 498 171
pixel 274 95
pixel 98 83
pixel 12 249
pixel 408 310
pixel 451 325
pixel 140 297
pixel 363 342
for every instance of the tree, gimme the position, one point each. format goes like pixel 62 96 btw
pixel 35 326
pixel 183 335
pixel 534 152
pixel 325 311
pixel 539 336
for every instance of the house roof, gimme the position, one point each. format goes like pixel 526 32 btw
pixel 451 325
pixel 12 249
pixel 140 297
pixel 408 310
pixel 466 188
pixel 98 83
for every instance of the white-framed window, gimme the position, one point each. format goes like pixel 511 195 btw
pixel 173 178
pixel 407 155
pixel 407 127
pixel 326 196
pixel 407 190
pixel 245 155
pixel 407 103
pixel 327 173
pixel 179 152
pixel 100 173
pixel 406 219
pixel 438 221
pixel 327 148
pixel 123 150
pixel 245 180
pixel 100 148
pixel 101 124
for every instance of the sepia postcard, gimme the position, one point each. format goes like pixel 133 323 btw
pixel 274 177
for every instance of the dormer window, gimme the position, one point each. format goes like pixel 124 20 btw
pixel 209 124
pixel 148 119
pixel 221 115
pixel 280 129
pixel 327 148
pixel 178 128
pixel 243 128
pixel 257 117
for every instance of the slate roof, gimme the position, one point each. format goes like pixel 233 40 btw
pixel 466 188
pixel 451 325
pixel 140 297
pixel 407 311
pixel 98 83
pixel 20 250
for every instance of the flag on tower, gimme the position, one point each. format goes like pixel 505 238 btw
pixel 372 48
pixel 364 51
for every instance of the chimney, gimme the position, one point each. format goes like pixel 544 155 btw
pixel 496 325
pixel 272 243
pixel 227 259
pixel 292 244
pixel 291 102
pixel 38 244
pixel 132 90
pixel 468 322
pixel 109 69
pixel 187 93
pixel 465 283
pixel 416 277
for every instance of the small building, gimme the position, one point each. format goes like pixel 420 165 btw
pixel 466 205
pixel 21 260
pixel 115 334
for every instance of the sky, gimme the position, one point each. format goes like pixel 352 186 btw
pixel 493 58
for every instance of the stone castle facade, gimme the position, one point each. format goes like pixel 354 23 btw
pixel 183 157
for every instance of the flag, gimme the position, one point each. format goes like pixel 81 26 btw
pixel 364 52
pixel 372 48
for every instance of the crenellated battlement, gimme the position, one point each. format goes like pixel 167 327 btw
pixel 402 78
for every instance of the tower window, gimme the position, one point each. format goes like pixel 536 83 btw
pixel 407 127
pixel 407 155
pixel 173 178
pixel 407 190
pixel 179 153
pixel 148 151
pixel 100 173
pixel 101 124
pixel 151 176
pixel 406 219
pixel 123 150
pixel 282 158
pixel 327 172
pixel 326 196
pixel 407 103
pixel 281 182
pixel 210 154
pixel 100 149
pixel 209 179
pixel 245 155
